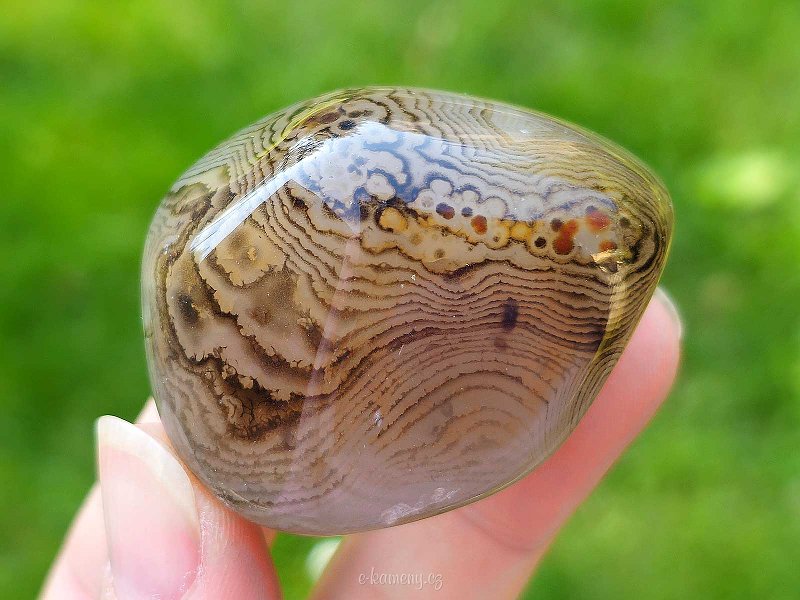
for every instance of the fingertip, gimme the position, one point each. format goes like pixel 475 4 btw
pixel 152 523
pixel 236 558
pixel 649 364
pixel 666 300
pixel 635 389
pixel 167 534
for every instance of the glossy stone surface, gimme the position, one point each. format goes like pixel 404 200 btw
pixel 385 303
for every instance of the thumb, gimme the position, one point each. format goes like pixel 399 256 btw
pixel 167 537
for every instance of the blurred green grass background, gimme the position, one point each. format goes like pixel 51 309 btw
pixel 103 104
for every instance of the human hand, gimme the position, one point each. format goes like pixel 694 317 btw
pixel 150 530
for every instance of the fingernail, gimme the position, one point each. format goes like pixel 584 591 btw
pixel 152 525
pixel 666 299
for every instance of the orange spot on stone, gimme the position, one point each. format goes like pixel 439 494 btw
pixel 479 224
pixel 597 220
pixel 564 243
pixel 606 245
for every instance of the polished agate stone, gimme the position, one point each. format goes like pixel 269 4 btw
pixel 385 303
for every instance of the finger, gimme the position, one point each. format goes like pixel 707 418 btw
pixel 488 549
pixel 149 413
pixel 81 568
pixel 167 537
pixel 77 571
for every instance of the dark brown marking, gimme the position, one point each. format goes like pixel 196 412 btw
pixel 326 118
pixel 187 309
pixel 510 314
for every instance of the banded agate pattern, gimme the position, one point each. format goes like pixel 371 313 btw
pixel 385 303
